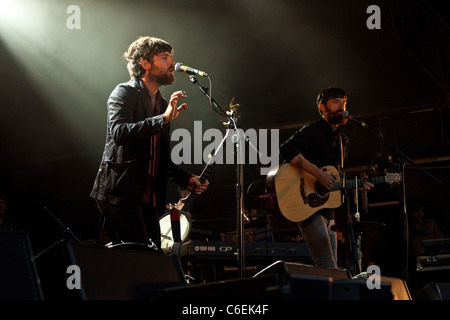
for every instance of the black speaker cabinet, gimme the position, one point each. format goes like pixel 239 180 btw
pixel 125 272
pixel 309 282
pixel 281 266
pixel 399 288
pixel 304 282
pixel 239 289
pixel 293 267
pixel 19 279
pixel 434 291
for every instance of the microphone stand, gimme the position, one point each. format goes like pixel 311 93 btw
pixel 403 159
pixel 66 229
pixel 345 199
pixel 357 220
pixel 238 141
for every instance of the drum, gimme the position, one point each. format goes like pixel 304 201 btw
pixel 166 229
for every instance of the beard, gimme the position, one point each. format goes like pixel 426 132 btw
pixel 335 118
pixel 163 80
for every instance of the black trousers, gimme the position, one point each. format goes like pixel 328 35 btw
pixel 131 223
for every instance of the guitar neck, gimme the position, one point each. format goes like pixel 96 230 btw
pixel 189 200
pixel 352 183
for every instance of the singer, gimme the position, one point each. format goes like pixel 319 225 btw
pixel 130 186
pixel 315 145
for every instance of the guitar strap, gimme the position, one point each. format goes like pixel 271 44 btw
pixel 176 227
pixel 176 232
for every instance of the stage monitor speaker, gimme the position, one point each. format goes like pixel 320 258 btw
pixel 341 286
pixel 304 282
pixel 399 288
pixel 19 279
pixel 434 291
pixel 281 266
pixel 131 272
pixel 358 290
pixel 245 289
pixel 299 268
pixel 124 272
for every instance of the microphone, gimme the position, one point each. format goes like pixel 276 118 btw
pixel 180 67
pixel 347 115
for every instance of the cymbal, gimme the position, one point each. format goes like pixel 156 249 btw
pixel 358 227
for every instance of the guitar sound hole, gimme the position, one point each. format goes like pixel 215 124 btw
pixel 321 190
pixel 319 197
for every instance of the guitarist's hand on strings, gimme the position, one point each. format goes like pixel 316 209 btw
pixel 195 184
pixel 325 179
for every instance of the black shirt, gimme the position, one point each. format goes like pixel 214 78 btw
pixel 317 142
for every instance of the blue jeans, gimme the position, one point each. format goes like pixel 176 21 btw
pixel 321 240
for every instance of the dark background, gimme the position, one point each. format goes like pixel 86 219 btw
pixel 273 56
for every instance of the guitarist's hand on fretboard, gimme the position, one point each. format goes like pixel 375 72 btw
pixel 367 184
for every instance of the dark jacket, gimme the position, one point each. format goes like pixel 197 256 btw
pixel 123 172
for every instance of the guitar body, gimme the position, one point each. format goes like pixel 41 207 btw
pixel 298 193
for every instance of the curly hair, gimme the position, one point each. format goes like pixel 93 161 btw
pixel 144 48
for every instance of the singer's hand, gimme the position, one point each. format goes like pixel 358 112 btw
pixel 195 184
pixel 173 110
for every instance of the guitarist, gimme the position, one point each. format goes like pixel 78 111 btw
pixel 317 144
pixel 130 186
